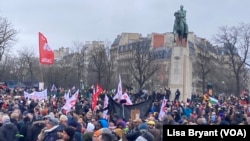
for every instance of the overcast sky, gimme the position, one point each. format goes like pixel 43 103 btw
pixel 64 22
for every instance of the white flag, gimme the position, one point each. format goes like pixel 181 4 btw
pixel 66 96
pixel 105 105
pixel 162 110
pixel 70 102
pixel 127 98
pixel 118 95
pixel 53 88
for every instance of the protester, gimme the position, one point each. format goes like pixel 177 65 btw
pixel 27 119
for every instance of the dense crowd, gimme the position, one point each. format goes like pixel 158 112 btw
pixel 25 119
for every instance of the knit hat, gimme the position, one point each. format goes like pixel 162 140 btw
pixel 63 118
pixel 70 131
pixel 118 132
pixel 143 126
pixel 44 112
pixel 102 130
pixel 97 133
pixel 53 121
pixel 103 123
pixel 151 122
pixel 105 130
pixel 121 123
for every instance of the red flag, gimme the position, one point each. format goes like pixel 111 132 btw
pixel 95 95
pixel 46 54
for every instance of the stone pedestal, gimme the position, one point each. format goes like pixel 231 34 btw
pixel 180 74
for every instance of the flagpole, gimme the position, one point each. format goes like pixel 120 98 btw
pixel 123 115
pixel 41 71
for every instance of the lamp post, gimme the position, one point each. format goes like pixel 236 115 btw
pixel 81 86
pixel 223 89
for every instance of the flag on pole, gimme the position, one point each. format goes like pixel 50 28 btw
pixel 70 102
pixel 105 105
pixel 127 98
pixel 66 96
pixel 213 101
pixel 118 95
pixel 45 52
pixel 95 95
pixel 53 88
pixel 163 109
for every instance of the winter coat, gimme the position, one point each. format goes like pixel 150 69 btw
pixel 8 132
pixel 51 134
pixel 35 130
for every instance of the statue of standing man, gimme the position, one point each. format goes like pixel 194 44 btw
pixel 180 25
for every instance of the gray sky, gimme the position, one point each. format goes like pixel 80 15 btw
pixel 64 22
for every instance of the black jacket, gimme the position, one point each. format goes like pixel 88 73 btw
pixel 8 132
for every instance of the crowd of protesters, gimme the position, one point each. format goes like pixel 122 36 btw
pixel 23 119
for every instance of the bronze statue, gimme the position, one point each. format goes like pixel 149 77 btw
pixel 180 27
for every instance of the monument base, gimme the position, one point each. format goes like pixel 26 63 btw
pixel 180 76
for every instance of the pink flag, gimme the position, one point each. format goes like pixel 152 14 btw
pixel 105 105
pixel 127 98
pixel 162 110
pixel 118 95
pixel 70 102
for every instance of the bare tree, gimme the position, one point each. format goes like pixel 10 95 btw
pixel 204 64
pixel 236 40
pixel 4 68
pixel 20 68
pixel 97 60
pixel 108 69
pixel 79 58
pixel 142 65
pixel 27 62
pixel 7 36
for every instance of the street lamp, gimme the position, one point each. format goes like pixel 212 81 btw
pixel 223 83
pixel 81 83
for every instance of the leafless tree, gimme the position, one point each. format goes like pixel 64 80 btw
pixel 142 66
pixel 97 58
pixel 5 68
pixel 236 40
pixel 7 36
pixel 27 63
pixel 108 70
pixel 204 64
pixel 101 66
pixel 79 58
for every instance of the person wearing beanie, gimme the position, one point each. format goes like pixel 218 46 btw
pixel 103 123
pixel 151 124
pixel 51 129
pixel 143 126
pixel 145 134
pixel 97 133
pixel 119 133
pixel 63 122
